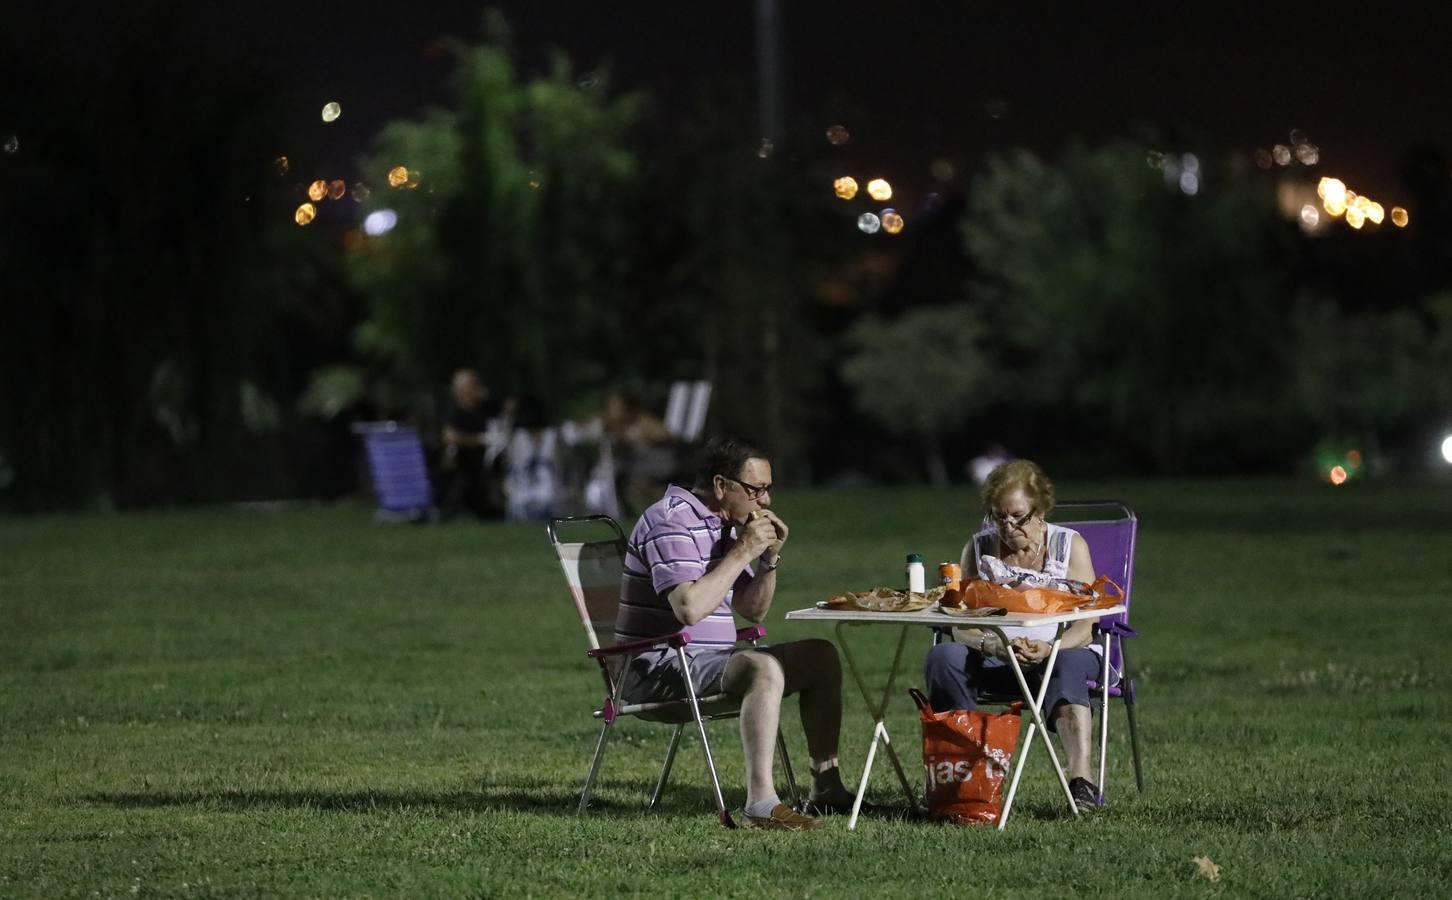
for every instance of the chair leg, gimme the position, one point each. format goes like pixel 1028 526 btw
pixel 594 768
pixel 1127 691
pixel 665 770
pixel 786 765
pixel 721 812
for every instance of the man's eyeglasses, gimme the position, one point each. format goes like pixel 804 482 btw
pixel 752 490
pixel 1007 521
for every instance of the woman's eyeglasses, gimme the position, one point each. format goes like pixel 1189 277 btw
pixel 1007 521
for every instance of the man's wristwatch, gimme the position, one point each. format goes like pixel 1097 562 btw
pixel 770 566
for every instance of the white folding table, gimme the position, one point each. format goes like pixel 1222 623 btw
pixel 932 618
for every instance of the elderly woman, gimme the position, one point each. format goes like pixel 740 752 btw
pixel 1021 549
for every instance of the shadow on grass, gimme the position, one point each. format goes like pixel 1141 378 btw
pixel 619 799
pixel 612 798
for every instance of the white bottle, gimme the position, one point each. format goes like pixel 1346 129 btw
pixel 917 582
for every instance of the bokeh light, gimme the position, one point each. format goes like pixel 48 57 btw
pixel 331 111
pixel 414 176
pixel 1308 154
pixel 1399 217
pixel 879 189
pixel 1281 154
pixel 305 214
pixel 765 148
pixel 1263 158
pixel 1337 475
pixel 397 176
pixel 318 191
pixel 1189 183
pixel 280 165
pixel 845 187
pixel 336 189
pixel 380 221
pixel 1355 217
pixel 1447 448
pixel 868 223
pixel 838 135
pixel 12 144
pixel 1310 216
pixel 1375 213
pixel 1353 458
pixel 892 223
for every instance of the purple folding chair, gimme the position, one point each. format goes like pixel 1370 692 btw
pixel 593 570
pixel 1109 528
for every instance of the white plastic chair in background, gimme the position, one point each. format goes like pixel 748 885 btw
pixel 686 409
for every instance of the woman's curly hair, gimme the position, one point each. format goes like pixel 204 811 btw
pixel 1023 474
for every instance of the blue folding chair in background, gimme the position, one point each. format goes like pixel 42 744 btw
pixel 400 476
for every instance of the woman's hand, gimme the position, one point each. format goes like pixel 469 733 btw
pixel 1030 651
pixel 992 646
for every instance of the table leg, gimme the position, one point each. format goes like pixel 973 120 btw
pixel 1037 725
pixel 879 730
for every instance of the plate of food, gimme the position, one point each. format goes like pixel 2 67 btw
pixel 884 599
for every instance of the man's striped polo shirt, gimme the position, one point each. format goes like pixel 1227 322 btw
pixel 676 540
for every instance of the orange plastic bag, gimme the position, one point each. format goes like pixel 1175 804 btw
pixel 966 756
pixel 980 594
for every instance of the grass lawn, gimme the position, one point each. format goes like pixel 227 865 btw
pixel 232 703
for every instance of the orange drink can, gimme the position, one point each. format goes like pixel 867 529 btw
pixel 950 575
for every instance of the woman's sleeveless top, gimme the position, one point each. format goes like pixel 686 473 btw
pixel 1060 541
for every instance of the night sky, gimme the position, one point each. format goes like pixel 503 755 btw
pixel 912 81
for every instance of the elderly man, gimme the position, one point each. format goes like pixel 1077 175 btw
pixel 698 557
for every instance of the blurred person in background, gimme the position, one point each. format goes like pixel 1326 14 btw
pixel 474 441
pixel 642 449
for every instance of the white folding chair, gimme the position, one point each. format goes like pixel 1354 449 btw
pixel 593 570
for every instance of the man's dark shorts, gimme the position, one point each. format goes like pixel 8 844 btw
pixel 655 676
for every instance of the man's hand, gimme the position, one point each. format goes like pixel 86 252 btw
pixel 758 535
pixel 781 531
pixel 1030 651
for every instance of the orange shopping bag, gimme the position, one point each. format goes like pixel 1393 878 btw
pixel 966 754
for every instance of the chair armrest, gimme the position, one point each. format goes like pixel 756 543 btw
pixel 679 639
pixel 751 633
pixel 1118 629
